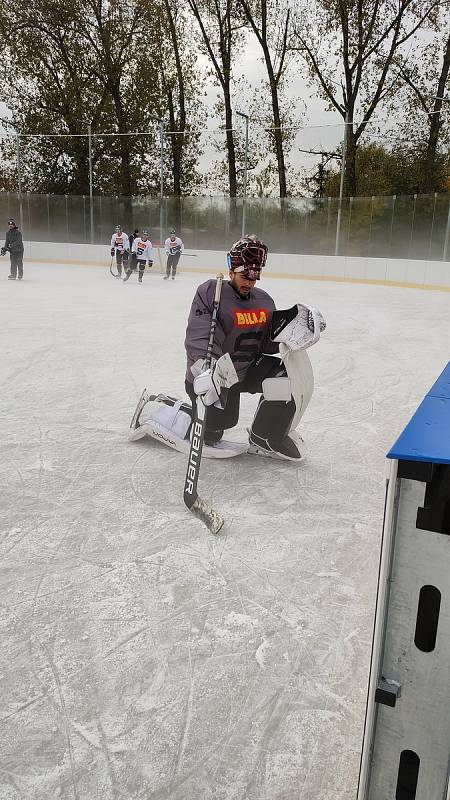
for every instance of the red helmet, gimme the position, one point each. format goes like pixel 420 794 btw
pixel 247 255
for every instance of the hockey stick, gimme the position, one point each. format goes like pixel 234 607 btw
pixel 200 508
pixel 114 274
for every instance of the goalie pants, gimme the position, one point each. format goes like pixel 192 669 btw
pixel 272 419
pixel 172 263
pixel 16 260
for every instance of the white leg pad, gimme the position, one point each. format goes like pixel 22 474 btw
pixel 300 373
pixel 173 418
pixel 277 389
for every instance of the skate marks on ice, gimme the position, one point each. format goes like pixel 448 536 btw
pixel 193 661
pixel 142 657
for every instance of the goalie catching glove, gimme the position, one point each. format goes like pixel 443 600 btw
pixel 208 383
pixel 298 327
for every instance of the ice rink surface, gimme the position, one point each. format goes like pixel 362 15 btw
pixel 142 657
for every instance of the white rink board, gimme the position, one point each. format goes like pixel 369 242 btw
pixel 405 271
pixel 141 656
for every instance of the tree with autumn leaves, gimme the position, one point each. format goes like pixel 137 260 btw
pixel 120 65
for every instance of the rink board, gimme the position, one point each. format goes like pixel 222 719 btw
pixel 406 750
pixel 398 272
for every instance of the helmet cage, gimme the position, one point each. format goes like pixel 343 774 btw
pixel 248 256
pixel 250 271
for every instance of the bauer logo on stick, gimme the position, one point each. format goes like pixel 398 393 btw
pixel 193 457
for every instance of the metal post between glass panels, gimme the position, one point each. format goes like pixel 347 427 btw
pixel 447 235
pixel 372 201
pixel 328 221
pixel 91 198
pixel 432 225
pixel 66 205
pixel 161 180
pixel 394 198
pixel 350 211
pixel 413 219
pixel 19 179
pixel 341 187
pixel 244 188
pixel 84 218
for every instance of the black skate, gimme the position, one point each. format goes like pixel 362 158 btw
pixel 287 449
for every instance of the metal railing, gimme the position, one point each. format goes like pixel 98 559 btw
pixel 413 227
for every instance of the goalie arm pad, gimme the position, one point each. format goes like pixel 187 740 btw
pixel 298 327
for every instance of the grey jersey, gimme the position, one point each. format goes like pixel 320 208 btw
pixel 243 326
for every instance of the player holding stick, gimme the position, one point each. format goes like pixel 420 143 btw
pixel 174 248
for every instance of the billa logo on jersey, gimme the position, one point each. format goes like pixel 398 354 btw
pixel 245 319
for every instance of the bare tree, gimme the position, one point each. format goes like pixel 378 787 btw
pixel 358 41
pixel 428 86
pixel 181 91
pixel 219 27
pixel 47 60
pixel 271 26
pixel 110 29
pixel 76 63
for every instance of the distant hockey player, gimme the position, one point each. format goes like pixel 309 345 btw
pixel 141 253
pixel 133 236
pixel 173 247
pixel 14 245
pixel 120 247
pixel 251 331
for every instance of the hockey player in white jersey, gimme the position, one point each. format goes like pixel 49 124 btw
pixel 141 253
pixel 120 248
pixel 173 247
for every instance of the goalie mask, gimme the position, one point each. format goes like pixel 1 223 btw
pixel 247 256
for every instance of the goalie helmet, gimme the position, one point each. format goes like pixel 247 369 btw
pixel 248 255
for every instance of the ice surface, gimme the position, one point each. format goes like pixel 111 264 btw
pixel 142 657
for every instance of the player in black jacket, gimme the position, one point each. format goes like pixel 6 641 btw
pixel 14 244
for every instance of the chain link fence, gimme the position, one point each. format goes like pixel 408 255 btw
pixel 410 227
